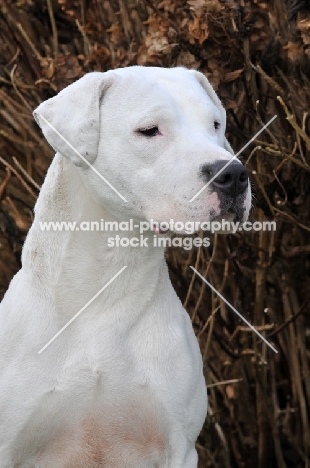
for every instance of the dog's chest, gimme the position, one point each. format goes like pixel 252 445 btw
pixel 118 408
pixel 126 427
pixel 112 434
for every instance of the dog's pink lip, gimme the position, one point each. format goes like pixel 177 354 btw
pixel 155 228
pixel 227 216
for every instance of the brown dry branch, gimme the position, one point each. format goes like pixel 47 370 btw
pixel 294 124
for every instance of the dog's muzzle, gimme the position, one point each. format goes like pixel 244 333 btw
pixel 231 182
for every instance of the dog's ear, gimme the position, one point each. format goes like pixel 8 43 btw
pixel 70 120
pixel 214 98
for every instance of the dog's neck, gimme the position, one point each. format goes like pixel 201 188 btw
pixel 78 264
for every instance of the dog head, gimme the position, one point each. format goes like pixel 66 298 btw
pixel 157 136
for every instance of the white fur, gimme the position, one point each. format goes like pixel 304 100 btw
pixel 122 386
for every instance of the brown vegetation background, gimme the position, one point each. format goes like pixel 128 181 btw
pixel 256 54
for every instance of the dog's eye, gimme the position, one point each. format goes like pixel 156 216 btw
pixel 149 132
pixel 216 125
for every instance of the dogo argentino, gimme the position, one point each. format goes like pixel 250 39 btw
pixel 122 386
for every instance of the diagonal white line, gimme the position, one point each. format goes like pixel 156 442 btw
pixel 235 310
pixel 82 157
pixel 231 160
pixel 83 308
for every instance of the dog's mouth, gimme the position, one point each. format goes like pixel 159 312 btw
pixel 231 209
pixel 231 216
pixel 157 229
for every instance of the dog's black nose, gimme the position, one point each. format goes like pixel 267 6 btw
pixel 231 181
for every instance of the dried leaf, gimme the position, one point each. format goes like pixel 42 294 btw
pixel 304 27
pixel 198 30
pixel 116 33
pixel 204 5
pixel 186 59
pixel 293 50
pixel 231 76
pixel 230 392
pixel 48 67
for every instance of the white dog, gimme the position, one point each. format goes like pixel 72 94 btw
pixel 122 386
